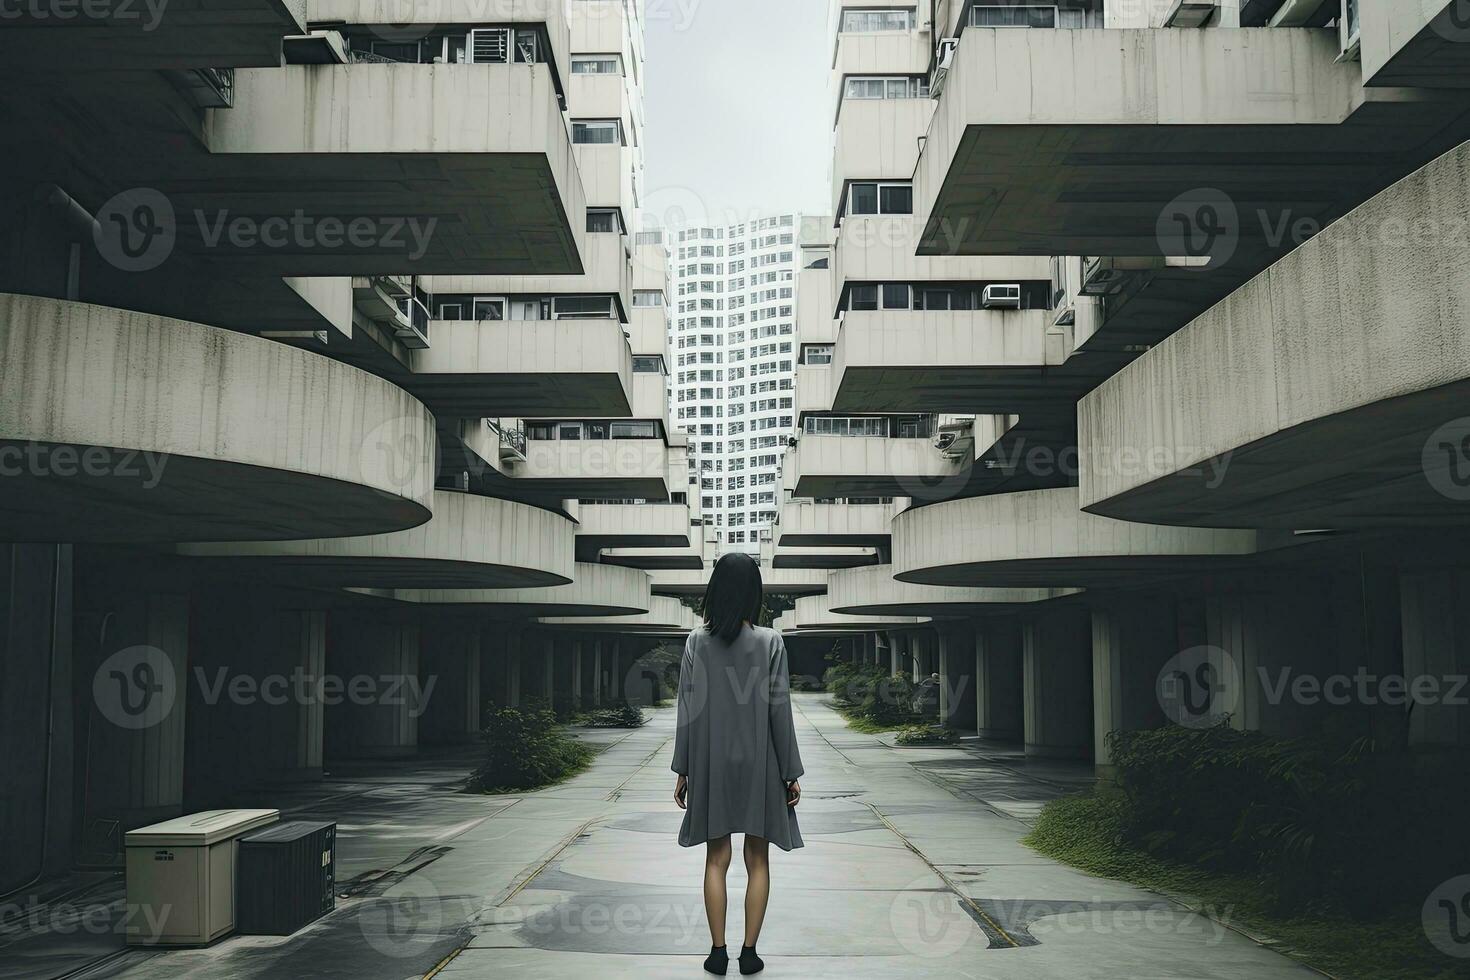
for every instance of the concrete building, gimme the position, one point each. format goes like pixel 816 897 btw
pixel 1116 416
pixel 334 397
pixel 734 371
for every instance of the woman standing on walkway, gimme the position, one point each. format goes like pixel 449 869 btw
pixel 735 749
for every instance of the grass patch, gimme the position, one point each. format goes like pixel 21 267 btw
pixel 1086 832
pixel 622 715
pixel 927 735
pixel 859 722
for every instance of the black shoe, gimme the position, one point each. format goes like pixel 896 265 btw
pixel 717 961
pixel 749 962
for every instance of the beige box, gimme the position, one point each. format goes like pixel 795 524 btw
pixel 181 876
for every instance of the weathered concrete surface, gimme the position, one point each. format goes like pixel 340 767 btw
pixel 873 591
pixel 913 868
pixel 1311 397
pixel 595 590
pixel 1041 538
pixel 121 426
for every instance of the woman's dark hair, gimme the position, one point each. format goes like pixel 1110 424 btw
pixel 733 596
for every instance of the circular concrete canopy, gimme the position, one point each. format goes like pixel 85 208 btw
pixel 1039 539
pixel 667 617
pixel 813 614
pixel 127 427
pixel 873 591
pixel 470 542
pixel 595 590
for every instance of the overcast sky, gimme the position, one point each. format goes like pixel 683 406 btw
pixel 737 114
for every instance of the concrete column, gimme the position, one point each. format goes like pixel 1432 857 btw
pixel 513 645
pixel 1058 684
pixel 449 672
pixel 577 673
pixel 384 651
pixel 956 677
pixel 548 670
pixel 615 671
pixel 1436 637
pixel 597 676
pixel 999 684
pixel 917 645
pixel 296 730
pixel 1132 639
pixel 36 723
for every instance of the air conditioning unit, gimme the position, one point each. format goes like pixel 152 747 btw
pixel 285 877
pixel 1001 296
pixel 944 58
pixel 956 440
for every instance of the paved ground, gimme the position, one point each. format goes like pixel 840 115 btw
pixel 913 868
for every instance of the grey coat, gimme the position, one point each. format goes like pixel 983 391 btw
pixel 736 741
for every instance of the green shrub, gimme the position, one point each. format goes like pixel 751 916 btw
pixel 621 715
pixel 867 693
pixel 525 748
pixel 927 735
pixel 1314 818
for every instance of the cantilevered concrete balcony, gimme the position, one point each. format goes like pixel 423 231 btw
pixel 630 526
pixel 822 556
pixel 947 361
pixel 607 272
pixel 470 542
pixel 871 466
pixel 873 591
pixel 120 426
pixel 591 469
pixel 1075 142
pixel 1042 539
pixel 881 53
pixel 814 614
pixel 878 139
pixel 131 36
pixel 1414 42
pixel 777 581
pixel 648 331
pixel 524 368
pixel 595 590
pixel 886 249
pixel 1329 391
pixel 667 617
pixel 813 388
pixel 432 168
pixel 808 524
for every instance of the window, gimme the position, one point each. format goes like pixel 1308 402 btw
pixel 597 64
pixel 451 311
pixel 606 221
pixel 648 364
pixel 863 298
pixel 886 87
pixel 1023 15
pixel 602 131
pixel 634 430
pixel 868 21
pixel 488 308
pixel 896 296
pixel 817 354
pixel 872 197
pixel 648 297
pixel 582 308
pixel 489 46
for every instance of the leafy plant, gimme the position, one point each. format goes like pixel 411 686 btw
pixel 927 735
pixel 525 748
pixel 621 715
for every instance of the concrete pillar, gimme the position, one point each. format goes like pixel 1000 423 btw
pixel 294 730
pixel 615 671
pixel 376 659
pixel 547 646
pixel 1132 639
pixel 577 646
pixel 999 684
pixel 513 643
pixel 956 677
pixel 36 724
pixel 449 672
pixel 597 673
pixel 1058 684
pixel 895 656
pixel 1436 644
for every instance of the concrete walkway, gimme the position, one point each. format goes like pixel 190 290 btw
pixel 913 868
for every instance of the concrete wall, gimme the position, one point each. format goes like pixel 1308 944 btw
pixel 1057 658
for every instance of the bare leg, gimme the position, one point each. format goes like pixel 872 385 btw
pixel 758 888
pixel 716 864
